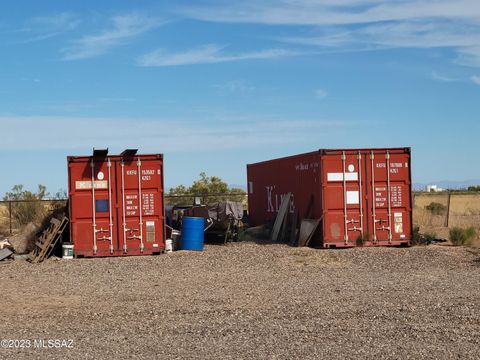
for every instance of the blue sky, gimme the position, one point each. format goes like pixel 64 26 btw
pixel 215 85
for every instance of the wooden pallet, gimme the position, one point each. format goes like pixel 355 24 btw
pixel 48 240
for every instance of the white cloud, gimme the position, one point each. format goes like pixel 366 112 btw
pixel 463 38
pixel 442 78
pixel 476 79
pixel 123 29
pixel 64 21
pixel 330 12
pixel 41 133
pixel 236 86
pixel 469 56
pixel 45 27
pixel 320 93
pixel 207 54
pixel 349 25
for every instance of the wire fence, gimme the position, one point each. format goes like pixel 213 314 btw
pixel 431 210
pixel 16 213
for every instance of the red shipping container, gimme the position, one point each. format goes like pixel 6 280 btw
pixel 363 196
pixel 116 204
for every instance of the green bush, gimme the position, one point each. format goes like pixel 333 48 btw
pixel 430 237
pixel 359 241
pixel 460 236
pixel 210 189
pixel 436 208
pixel 416 238
pixel 26 206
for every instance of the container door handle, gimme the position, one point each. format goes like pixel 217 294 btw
pixel 389 198
pixel 92 168
pixel 345 227
pixel 124 223
pixel 140 205
pixel 109 165
pixel 360 192
pixel 374 198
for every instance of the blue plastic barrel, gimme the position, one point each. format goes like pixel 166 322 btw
pixel 192 233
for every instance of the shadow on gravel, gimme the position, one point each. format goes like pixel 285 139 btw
pixel 476 252
pixel 260 235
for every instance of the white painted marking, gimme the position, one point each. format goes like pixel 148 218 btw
pixel 100 175
pixel 351 168
pixel 353 197
pixel 86 185
pixel 339 176
pixel 398 222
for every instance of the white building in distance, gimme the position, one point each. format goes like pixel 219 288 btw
pixel 433 188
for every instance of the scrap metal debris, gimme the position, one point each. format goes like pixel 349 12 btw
pixel 5 254
pixel 307 229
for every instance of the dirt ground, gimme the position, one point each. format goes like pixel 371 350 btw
pixel 248 301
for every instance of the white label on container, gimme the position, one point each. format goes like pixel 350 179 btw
pixel 86 185
pixel 353 197
pixel 398 222
pixel 100 175
pixel 351 168
pixel 155 245
pixel 148 204
pixel 150 223
pixel 339 176
pixel 402 236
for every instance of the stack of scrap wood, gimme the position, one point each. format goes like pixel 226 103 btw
pixel 48 240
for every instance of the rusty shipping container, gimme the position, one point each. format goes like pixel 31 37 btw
pixel 116 204
pixel 362 196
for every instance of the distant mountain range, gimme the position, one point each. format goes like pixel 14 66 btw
pixel 446 184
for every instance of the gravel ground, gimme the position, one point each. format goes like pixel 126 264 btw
pixel 249 301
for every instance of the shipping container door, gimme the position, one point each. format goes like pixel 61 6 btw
pixel 141 198
pixel 93 219
pixel 389 218
pixel 344 206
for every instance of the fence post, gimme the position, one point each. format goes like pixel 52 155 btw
pixel 448 209
pixel 10 215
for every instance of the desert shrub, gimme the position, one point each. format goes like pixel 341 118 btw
pixel 436 208
pixel 460 236
pixel 25 205
pixel 430 237
pixel 416 237
pixel 4 230
pixel 471 233
pixel 359 241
